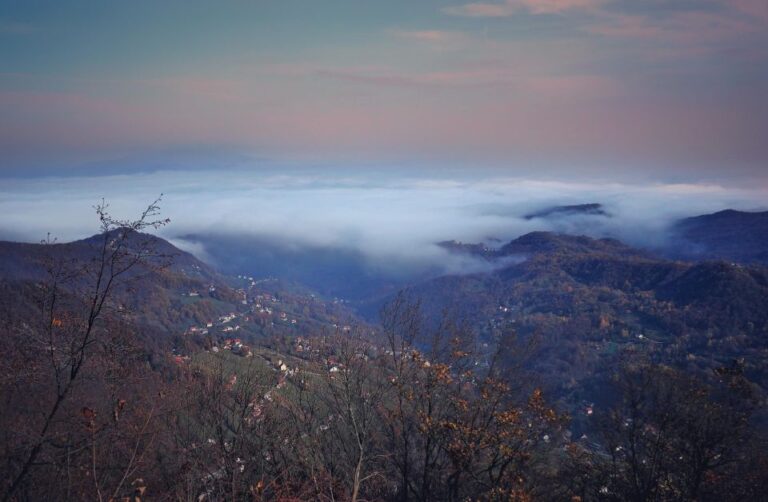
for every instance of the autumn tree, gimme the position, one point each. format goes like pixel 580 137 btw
pixel 671 436
pixel 453 424
pixel 220 442
pixel 68 426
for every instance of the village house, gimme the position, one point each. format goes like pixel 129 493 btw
pixel 232 342
pixel 242 350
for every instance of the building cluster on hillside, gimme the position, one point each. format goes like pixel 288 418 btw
pixel 227 318
pixel 265 309
pixel 194 330
pixel 236 346
pixel 286 370
pixel 301 345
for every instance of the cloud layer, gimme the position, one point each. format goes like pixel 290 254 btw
pixel 511 7
pixel 385 217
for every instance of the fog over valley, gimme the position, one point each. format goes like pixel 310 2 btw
pixel 390 224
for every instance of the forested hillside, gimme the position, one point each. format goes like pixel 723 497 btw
pixel 133 370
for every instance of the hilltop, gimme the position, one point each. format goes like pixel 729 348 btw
pixel 175 298
pixel 737 236
pixel 590 209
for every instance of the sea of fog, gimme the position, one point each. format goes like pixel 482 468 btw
pixel 383 217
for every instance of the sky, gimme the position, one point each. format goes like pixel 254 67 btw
pixel 380 126
pixel 645 90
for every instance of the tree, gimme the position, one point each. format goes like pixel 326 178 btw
pixel 454 426
pixel 673 437
pixel 77 336
pixel 221 435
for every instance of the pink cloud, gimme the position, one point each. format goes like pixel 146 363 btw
pixel 754 8
pixel 546 115
pixel 689 28
pixel 557 6
pixel 480 10
pixel 508 126
pixel 511 7
pixel 210 88
pixel 573 87
pixel 492 75
pixel 481 76
pixel 434 36
pixel 73 120
pixel 385 78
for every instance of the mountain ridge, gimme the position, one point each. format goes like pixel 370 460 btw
pixel 740 236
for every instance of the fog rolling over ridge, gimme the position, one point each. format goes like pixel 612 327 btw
pixel 375 225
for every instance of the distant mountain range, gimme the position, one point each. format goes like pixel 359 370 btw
pixel 730 235
pixel 726 235
pixel 590 209
pixel 345 272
